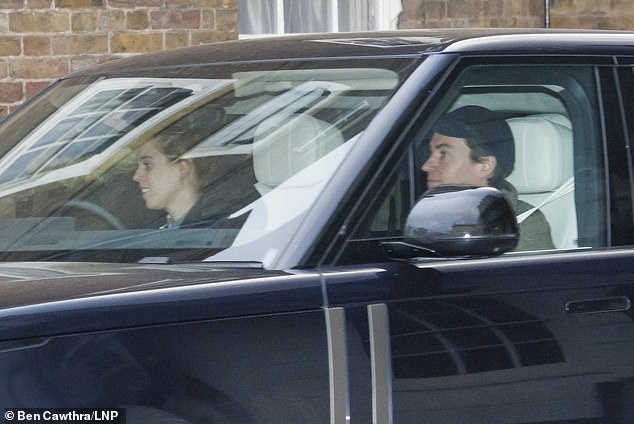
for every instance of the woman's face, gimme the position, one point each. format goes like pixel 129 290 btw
pixel 162 181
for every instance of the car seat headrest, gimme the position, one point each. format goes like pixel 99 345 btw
pixel 283 147
pixel 543 152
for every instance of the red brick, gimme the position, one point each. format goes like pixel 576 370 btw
pixel 4 22
pixel 39 68
pixel 136 42
pixel 37 45
pixel 612 14
pixel 39 21
pixel 137 19
pixel 10 46
pixel 34 87
pixel 628 22
pixel 458 9
pixel 432 10
pixel 125 4
pixel 12 4
pixel 536 8
pixel 175 39
pixel 112 20
pixel 79 44
pixel 39 4
pixel 609 23
pixel 79 62
pixel 197 3
pixel 11 92
pixel 623 7
pixel 174 19
pixel 206 37
pixel 85 21
pixel 227 19
pixel 208 19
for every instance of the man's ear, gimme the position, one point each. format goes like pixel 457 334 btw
pixel 488 164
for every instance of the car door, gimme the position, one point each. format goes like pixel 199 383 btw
pixel 540 335
pixel 233 350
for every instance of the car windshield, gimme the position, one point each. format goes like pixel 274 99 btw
pixel 181 163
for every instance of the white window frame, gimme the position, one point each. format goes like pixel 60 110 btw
pixel 381 15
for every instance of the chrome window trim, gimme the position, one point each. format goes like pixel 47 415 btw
pixel 381 364
pixel 338 366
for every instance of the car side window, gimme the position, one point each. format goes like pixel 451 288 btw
pixel 554 154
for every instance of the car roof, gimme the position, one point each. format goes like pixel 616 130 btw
pixel 382 44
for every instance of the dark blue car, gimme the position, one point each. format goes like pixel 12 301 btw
pixel 252 232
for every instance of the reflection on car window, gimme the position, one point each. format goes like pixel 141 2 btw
pixel 89 124
pixel 260 143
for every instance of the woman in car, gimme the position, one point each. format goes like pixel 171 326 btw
pixel 167 181
pixel 193 192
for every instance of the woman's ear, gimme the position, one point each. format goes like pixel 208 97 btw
pixel 186 168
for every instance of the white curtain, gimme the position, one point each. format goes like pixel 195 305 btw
pixel 296 16
pixel 354 15
pixel 257 16
pixel 386 14
pixel 306 16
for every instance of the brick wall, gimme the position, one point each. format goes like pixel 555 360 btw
pixel 41 40
pixel 596 14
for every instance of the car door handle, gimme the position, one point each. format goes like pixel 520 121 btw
pixel 13 345
pixel 608 304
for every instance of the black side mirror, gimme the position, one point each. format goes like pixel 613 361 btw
pixel 458 220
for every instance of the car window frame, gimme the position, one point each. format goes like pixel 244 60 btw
pixel 424 113
pixel 624 71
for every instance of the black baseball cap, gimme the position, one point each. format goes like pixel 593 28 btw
pixel 486 128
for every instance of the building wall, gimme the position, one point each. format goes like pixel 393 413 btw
pixel 41 40
pixel 596 14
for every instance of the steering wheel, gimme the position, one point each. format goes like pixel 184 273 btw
pixel 94 209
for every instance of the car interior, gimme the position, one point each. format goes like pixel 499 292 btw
pixel 543 174
pixel 260 134
pixel 556 149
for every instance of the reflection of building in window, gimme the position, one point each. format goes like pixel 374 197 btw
pixel 76 138
pixel 453 337
pixel 91 128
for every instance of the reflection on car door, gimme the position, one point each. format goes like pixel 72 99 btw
pixel 524 339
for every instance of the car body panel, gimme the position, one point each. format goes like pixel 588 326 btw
pixel 54 299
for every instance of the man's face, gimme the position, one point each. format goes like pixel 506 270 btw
pixel 449 162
